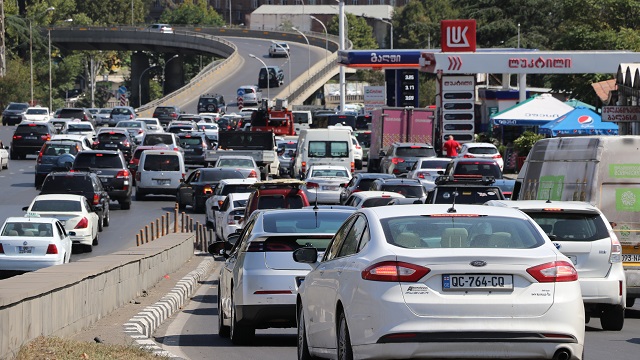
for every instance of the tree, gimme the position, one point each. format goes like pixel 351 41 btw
pixel 358 31
pixel 14 86
pixel 192 12
pixel 417 25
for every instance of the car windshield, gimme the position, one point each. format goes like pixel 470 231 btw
pixel 27 229
pixel 99 161
pixel 236 188
pixel 483 150
pixel 56 205
pixel 456 231
pixel 37 111
pixel 216 176
pixel 161 162
pixel 568 226
pixel 407 191
pixel 415 151
pixel 17 107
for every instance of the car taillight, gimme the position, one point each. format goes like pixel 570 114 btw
pixel 204 146
pixel 231 220
pixel 96 199
pixel 358 147
pixel 497 156
pixel 394 271
pixel 140 131
pixel 122 174
pixel 422 175
pixel 130 116
pixel 17 137
pixel 52 249
pixel 95 144
pixel 126 143
pixel 220 202
pixel 253 174
pixel 82 224
pixel 396 160
pixel 555 271
pixel 468 156
pixel 46 137
pixel 207 190
pixel 353 167
pixel 312 185
pixel 1 249
pixel 356 190
pixel 303 166
pixel 616 249
pixel 174 115
pixel 39 159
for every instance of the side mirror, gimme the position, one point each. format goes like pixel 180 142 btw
pixel 25 208
pixel 382 153
pixel 440 172
pixel 71 233
pixel 306 255
pixel 219 248
pixel 233 238
pixel 215 207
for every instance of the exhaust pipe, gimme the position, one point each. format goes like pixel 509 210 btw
pixel 562 354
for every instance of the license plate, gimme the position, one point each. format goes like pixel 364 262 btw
pixel 25 249
pixel 631 258
pixel 573 258
pixel 330 187
pixel 110 145
pixel 163 181
pixel 477 282
pixel 189 150
pixel 30 137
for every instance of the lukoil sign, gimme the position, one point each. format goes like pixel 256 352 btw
pixel 458 35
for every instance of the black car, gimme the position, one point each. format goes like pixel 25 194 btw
pixel 115 139
pixel 360 182
pixel 111 168
pixel 213 103
pixel 200 184
pixel 166 114
pixel 410 188
pixel 54 155
pixel 195 145
pixel 76 113
pixel 14 113
pixel 29 138
pixel 464 191
pixel 274 79
pixel 82 183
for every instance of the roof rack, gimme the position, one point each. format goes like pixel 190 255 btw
pixel 278 184
pixel 452 180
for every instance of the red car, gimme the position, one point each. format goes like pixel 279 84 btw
pixel 276 194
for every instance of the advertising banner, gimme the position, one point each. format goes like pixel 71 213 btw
pixel 374 97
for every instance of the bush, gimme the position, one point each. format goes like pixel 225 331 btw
pixel 525 142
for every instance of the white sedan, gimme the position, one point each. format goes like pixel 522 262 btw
pixel 440 282
pixel 4 156
pixel 32 243
pixel 322 183
pixel 74 212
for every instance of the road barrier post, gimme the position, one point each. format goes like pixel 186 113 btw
pixel 141 236
pixel 137 239
pixel 190 224
pixel 182 222
pixel 146 234
pixel 175 219
pixel 153 233
pixel 203 236
pixel 157 228
pixel 198 239
pixel 162 224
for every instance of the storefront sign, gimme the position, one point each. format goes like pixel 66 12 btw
pixel 621 113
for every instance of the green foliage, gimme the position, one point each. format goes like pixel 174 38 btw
pixel 358 31
pixel 417 25
pixel 15 85
pixel 191 12
pixel 113 12
pixel 427 90
pixel 525 142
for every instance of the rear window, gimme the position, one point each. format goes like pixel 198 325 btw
pixel 291 243
pixel 329 173
pixel 161 162
pixel 240 204
pixel 466 195
pixel 156 139
pixel 54 149
pixel 62 184
pixel 407 191
pixel 164 110
pixel 483 150
pixel 476 169
pixel 79 127
pixel 301 118
pixel 190 141
pixel 179 128
pixel 32 128
pixel 373 202
pixel 56 205
pixel 304 222
pixel 364 138
pixel 571 227
pixel 70 113
pixel 115 137
pixel 236 188
pixel 434 164
pixel 99 161
pixel 415 151
pixel 328 149
pixel 17 106
pixel 27 229
pixel 460 232
pixel 130 124
pixel 207 101
pixel 120 111
pixel 365 184
pixel 242 163
pixel 279 202
pixel 216 176
pixel 37 112
pixel 346 120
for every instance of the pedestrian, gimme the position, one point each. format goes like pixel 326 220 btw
pixel 451 147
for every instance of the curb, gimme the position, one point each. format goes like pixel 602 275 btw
pixel 144 324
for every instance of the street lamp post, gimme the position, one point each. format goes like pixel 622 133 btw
pixel 50 82
pixel 140 84
pixel 391 25
pixel 164 69
pixel 268 75
pixel 326 37
pixel 308 49
pixel 289 60
pixel 342 36
pixel 229 13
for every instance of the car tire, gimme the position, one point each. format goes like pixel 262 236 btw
pixel 100 223
pixel 344 349
pixel 13 155
pixel 612 317
pixel 125 204
pixel 630 302
pixel 196 207
pixel 107 218
pixel 181 206
pixel 303 346
pixel 223 330
pixel 95 240
pixel 140 195
pixel 358 164
pixel 23 156
pixel 240 335
pixel 87 248
pixel 6 166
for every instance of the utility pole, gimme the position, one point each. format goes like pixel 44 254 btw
pixel 3 62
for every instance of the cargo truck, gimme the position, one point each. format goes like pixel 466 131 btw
pixel 261 145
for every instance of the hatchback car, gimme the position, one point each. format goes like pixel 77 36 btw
pixel 212 103
pixel 166 114
pixel 279 49
pixel 427 170
pixel 323 183
pixel 276 194
pixel 245 164
pixel 473 168
pixel 121 113
pixel 161 28
pixel 481 151
pixel 112 169
pixel 228 218
pixel 410 188
pixel 275 77
pixel 37 113
pixel 54 155
pixel 199 185
pixel 224 188
pixel 582 233
pixel 258 281
pixel 439 282
pixel 102 117
pixel 398 158
pixel 137 129
pixel 361 182
pixel 251 94
pixel 114 139
pixel 195 146
pixel 33 243
pixel 79 128
pixel 76 113
pixel 28 139
pixel 364 199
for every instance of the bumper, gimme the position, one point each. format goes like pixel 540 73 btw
pixel 81 238
pixel 324 197
pixel 26 149
pixel 160 190
pixel 609 290
pixel 194 159
pixel 267 316
pixel 119 194
pixel 29 263
pixel 12 119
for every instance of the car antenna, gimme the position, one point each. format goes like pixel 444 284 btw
pixel 452 209
pixel 549 197
pixel 315 205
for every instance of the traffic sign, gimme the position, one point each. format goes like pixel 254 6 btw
pixel 122 90
pixel 241 92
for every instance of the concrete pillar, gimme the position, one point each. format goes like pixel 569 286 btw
pixel 173 74
pixel 139 63
pixel 506 79
pixel 522 87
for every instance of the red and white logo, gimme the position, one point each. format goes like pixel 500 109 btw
pixel 585 119
pixel 458 35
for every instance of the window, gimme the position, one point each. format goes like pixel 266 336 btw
pixel 351 241
pixel 328 149
pixel 100 161
pixel 161 163
pixel 338 239
pixel 415 151
pixel 304 222
pixel 571 227
pixel 56 205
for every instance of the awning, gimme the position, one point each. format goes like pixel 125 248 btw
pixel 581 121
pixel 535 111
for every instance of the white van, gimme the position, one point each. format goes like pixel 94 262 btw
pixel 323 147
pixel 601 170
pixel 301 120
pixel 159 172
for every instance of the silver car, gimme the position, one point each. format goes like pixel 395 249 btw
pixel 245 164
pixel 259 279
pixel 121 113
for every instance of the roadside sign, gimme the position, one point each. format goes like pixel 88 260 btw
pixel 122 90
pixel 241 92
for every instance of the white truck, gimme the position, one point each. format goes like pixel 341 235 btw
pixel 260 145
pixel 601 170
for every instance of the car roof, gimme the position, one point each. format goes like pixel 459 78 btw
pixel 376 194
pixel 330 167
pixel 474 160
pixel 59 197
pixel 543 204
pixel 284 183
pixel 399 144
pixel 443 210
pixel 160 152
pixel 235 157
pixel 23 219
pixel 400 181
pixel 236 181
pixel 480 145
pixel 375 176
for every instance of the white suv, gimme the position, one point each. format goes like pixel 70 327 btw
pixel 482 151
pixel 582 233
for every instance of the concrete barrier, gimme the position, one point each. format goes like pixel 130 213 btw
pixel 65 299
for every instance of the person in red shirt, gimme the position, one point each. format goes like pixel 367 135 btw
pixel 451 147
